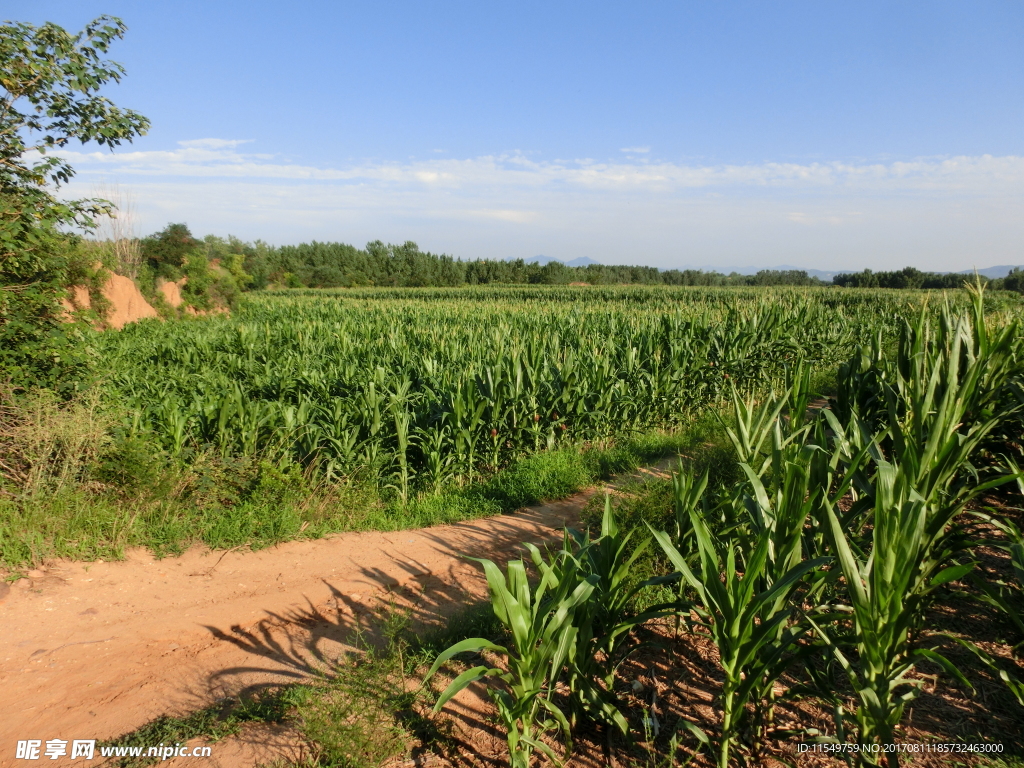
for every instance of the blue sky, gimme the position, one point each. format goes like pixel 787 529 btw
pixel 825 135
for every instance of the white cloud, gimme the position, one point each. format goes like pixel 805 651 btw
pixel 830 218
pixel 937 213
pixel 212 143
pixel 219 158
pixel 636 150
pixel 518 217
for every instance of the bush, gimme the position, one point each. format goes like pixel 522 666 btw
pixel 167 251
pixel 133 465
pixel 1014 281
pixel 38 344
pixel 47 445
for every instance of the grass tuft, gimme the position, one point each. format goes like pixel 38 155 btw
pixel 211 723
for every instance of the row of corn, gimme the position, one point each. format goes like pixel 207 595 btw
pixel 425 388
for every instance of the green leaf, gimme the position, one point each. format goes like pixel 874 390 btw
pixel 950 668
pixel 952 573
pixel 470 645
pixel 692 728
pixel 463 681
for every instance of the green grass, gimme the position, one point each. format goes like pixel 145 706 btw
pixel 363 713
pixel 240 502
pixel 546 476
pixel 212 723
pixel 83 523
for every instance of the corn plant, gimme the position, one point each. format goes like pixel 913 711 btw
pixel 688 492
pixel 933 407
pixel 604 622
pixel 398 407
pixel 790 467
pixel 748 625
pixel 764 529
pixel 540 620
pixel 432 442
pixel 752 429
pixel 912 554
pixel 940 398
pixel 950 398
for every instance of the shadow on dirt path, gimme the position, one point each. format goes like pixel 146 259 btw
pixel 94 650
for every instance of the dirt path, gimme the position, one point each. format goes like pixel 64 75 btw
pixel 92 651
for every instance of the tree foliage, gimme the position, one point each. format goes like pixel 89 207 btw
pixel 49 96
pixel 908 277
pixel 332 265
pixel 1014 281
pixel 169 248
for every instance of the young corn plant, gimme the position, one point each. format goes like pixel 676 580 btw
pixel 912 553
pixel 748 624
pixel 433 443
pixel 789 466
pixel 403 423
pixel 946 401
pixel 938 401
pixel 543 635
pixel 933 406
pixel 605 622
pixel 753 428
pixel 687 494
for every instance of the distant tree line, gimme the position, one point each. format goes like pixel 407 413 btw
pixel 915 278
pixel 340 265
pixel 335 265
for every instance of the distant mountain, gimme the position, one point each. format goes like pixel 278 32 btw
pixel 582 261
pixel 992 272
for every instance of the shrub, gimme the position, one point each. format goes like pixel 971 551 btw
pixel 47 445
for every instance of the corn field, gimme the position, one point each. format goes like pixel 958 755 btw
pixel 818 570
pixel 815 576
pixel 423 387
